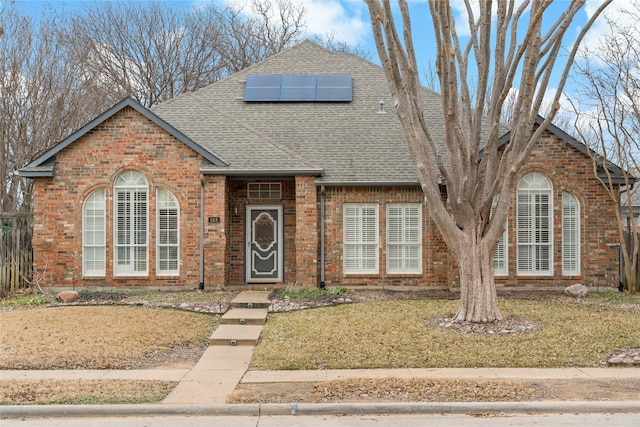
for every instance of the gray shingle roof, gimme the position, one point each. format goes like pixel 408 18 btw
pixel 349 141
pixel 43 164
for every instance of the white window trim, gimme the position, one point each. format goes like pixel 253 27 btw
pixel 128 187
pixel 417 243
pixel 570 200
pixel 101 272
pixel 502 244
pixel 546 190
pixel 360 243
pixel 504 259
pixel 160 271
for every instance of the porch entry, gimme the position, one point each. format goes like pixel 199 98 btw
pixel 265 244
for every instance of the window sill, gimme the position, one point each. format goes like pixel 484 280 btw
pixel 534 276
pixel 124 276
pixel 357 275
pixel 403 275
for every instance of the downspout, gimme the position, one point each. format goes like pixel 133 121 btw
pixel 201 285
pixel 322 284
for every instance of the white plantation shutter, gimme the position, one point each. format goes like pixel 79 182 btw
pixel 534 225
pixel 130 227
pixel 404 242
pixel 500 265
pixel 168 234
pixel 93 234
pixel 570 235
pixel 360 238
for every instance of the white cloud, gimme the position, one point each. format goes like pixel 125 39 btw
pixel 617 12
pixel 331 17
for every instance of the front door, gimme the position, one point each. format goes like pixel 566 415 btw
pixel 264 249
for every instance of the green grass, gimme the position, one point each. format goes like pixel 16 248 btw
pixel 396 334
pixel 22 301
pixel 300 292
pixel 613 297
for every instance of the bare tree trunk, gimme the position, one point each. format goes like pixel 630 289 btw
pixel 478 298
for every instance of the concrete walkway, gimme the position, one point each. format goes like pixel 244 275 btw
pixel 225 362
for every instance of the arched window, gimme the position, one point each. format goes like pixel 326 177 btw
pixel 130 226
pixel 168 234
pixel 570 235
pixel 535 225
pixel 93 234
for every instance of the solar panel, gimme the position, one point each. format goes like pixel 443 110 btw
pixel 334 88
pixel 262 87
pixel 298 88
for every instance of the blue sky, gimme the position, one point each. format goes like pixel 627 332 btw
pixel 349 20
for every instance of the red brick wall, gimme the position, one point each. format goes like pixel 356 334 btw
pixel 307 229
pixel 435 264
pixel 572 171
pixel 216 232
pixel 126 141
pixel 567 168
pixel 129 141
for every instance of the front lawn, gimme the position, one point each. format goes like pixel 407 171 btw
pixel 101 337
pixel 398 334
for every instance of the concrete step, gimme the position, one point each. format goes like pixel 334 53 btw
pixel 245 316
pixel 251 299
pixel 236 335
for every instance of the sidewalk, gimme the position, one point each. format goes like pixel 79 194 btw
pixel 450 373
pixel 203 390
pixel 228 364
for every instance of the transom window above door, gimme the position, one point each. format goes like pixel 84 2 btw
pixel 264 190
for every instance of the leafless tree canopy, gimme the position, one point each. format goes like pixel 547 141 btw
pixel 512 45
pixel 62 70
pixel 40 99
pixel 608 119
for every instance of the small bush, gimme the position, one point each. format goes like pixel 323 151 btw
pixel 300 292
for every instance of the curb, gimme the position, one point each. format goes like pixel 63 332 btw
pixel 256 410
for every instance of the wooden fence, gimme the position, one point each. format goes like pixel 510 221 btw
pixel 16 254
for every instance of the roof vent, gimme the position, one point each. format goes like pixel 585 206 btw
pixel 381 109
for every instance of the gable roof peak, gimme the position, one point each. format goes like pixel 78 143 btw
pixel 49 154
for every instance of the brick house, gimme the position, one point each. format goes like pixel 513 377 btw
pixel 293 170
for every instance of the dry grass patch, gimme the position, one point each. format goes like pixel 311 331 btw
pixel 100 337
pixel 398 334
pixel 391 389
pixel 76 392
pixel 437 390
